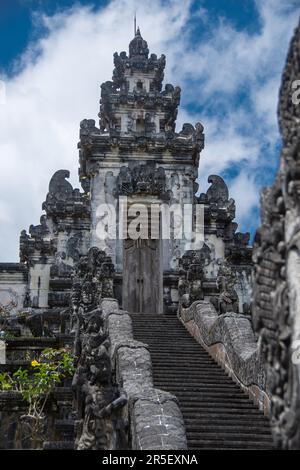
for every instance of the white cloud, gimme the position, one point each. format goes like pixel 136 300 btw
pixel 57 84
pixel 244 191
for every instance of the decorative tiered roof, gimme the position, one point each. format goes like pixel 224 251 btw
pixel 138 115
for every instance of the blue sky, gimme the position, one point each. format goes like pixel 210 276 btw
pixel 17 26
pixel 227 55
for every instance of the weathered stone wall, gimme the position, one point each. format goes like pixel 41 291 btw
pixel 51 248
pixel 276 309
pixel 230 340
pixel 155 420
pixel 13 287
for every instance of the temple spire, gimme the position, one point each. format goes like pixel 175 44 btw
pixel 135 23
pixel 138 47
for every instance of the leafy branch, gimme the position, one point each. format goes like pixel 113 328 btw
pixel 36 385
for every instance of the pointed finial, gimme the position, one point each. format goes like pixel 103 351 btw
pixel 135 23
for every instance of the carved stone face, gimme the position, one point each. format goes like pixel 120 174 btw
pixel 87 293
pixel 93 327
pixel 101 368
pixel 94 324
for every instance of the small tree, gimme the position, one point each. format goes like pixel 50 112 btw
pixel 36 385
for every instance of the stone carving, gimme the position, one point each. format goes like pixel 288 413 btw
pixel 271 316
pixel 97 400
pixel 145 179
pixel 104 109
pixel 237 250
pixel 145 155
pixel 199 134
pixel 66 209
pixel 276 257
pixel 39 231
pixel 219 206
pixel 219 213
pixel 29 246
pixel 226 281
pixel 138 46
pixel 62 199
pixel 191 275
pixel 93 281
pixel 59 187
pixel 118 73
pixel 87 128
pixel 73 246
pixel 218 192
pixel 149 124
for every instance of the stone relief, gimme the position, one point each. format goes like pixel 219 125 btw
pixel 276 270
pixel 97 398
pixel 142 179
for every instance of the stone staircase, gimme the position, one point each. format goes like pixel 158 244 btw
pixel 217 413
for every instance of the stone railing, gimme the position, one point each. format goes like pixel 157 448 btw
pixel 154 418
pixel 230 340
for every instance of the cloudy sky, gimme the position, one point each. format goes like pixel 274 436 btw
pixel 227 56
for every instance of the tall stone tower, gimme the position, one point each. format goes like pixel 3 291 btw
pixel 136 153
pixel 135 171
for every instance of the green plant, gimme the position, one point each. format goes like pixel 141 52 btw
pixel 36 385
pixel 6 383
pixel 23 314
pixel 6 335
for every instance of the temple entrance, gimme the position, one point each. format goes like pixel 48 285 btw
pixel 142 276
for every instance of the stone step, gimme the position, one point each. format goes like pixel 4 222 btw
pixel 219 394
pixel 197 370
pixel 203 381
pixel 200 388
pixel 180 371
pixel 215 401
pixel 63 394
pixel 204 389
pixel 173 338
pixel 254 421
pixel 199 378
pixel 67 424
pixel 58 445
pixel 179 354
pixel 178 349
pixel 155 336
pixel 229 428
pixel 217 413
pixel 13 366
pixel 228 436
pixel 174 366
pixel 28 342
pixel 228 445
pixel 172 341
pixel 65 428
pixel 168 360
